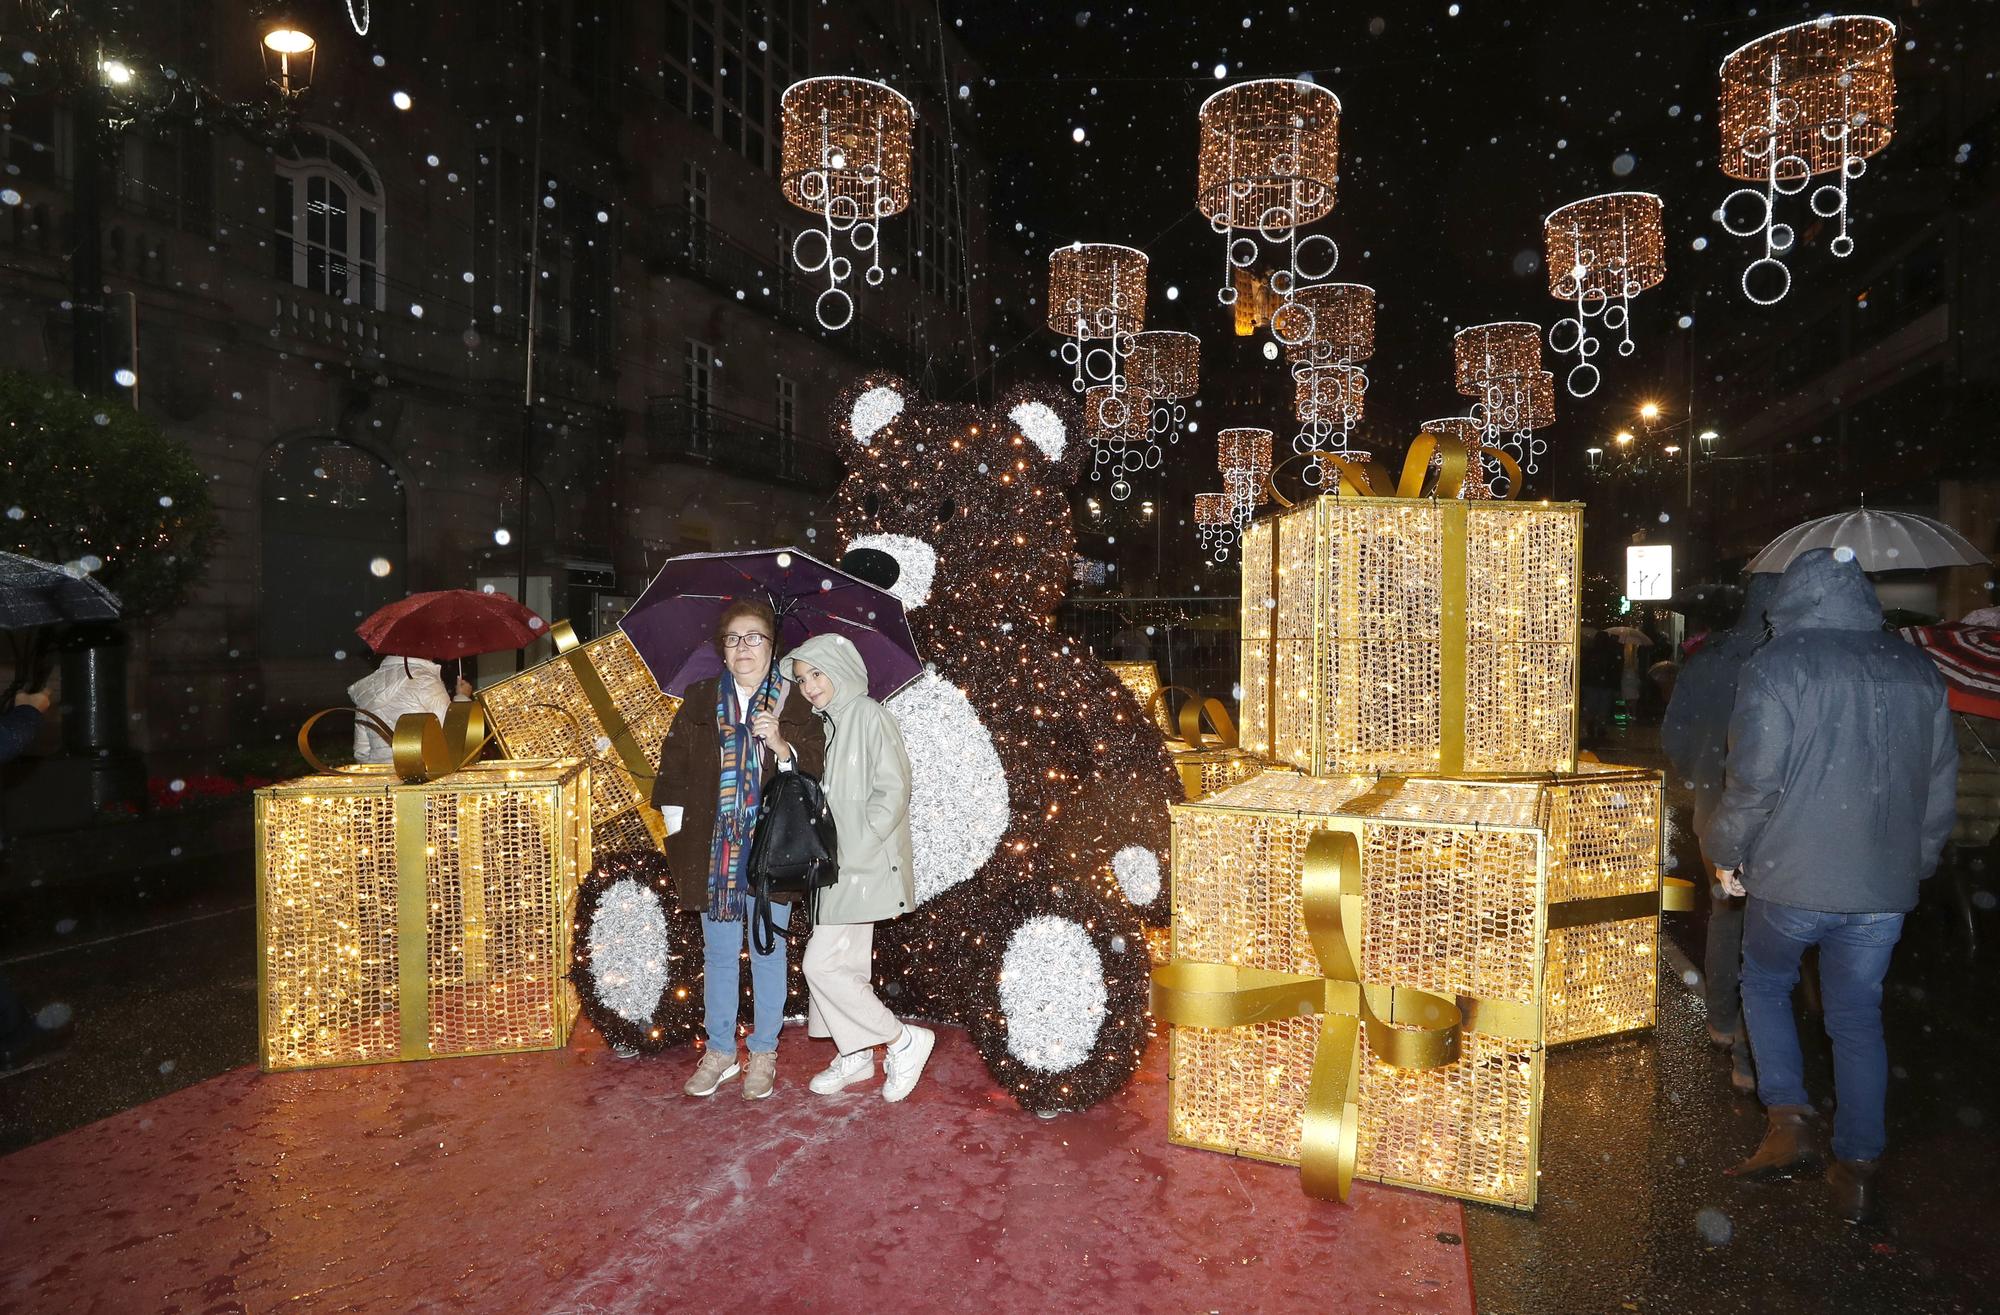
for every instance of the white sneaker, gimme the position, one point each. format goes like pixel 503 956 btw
pixel 844 1072
pixel 904 1063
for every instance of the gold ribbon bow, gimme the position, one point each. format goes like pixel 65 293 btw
pixel 1195 709
pixel 421 752
pixel 1406 1028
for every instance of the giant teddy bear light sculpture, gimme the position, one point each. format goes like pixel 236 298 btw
pixel 1040 787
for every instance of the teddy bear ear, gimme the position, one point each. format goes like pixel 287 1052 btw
pixel 876 404
pixel 1041 426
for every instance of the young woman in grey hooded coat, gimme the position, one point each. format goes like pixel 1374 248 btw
pixel 867 782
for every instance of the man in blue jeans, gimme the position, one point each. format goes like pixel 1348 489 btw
pixel 1839 796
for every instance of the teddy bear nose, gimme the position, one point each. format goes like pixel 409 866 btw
pixel 873 565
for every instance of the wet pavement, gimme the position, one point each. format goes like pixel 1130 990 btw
pixel 1635 1215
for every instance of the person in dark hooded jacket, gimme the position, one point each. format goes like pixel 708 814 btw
pixel 1839 794
pixel 1695 735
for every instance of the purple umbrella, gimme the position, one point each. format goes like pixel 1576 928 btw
pixel 672 623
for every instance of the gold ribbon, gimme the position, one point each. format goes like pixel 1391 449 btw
pixel 1195 709
pixel 1406 1028
pixel 1674 895
pixel 421 752
pixel 598 695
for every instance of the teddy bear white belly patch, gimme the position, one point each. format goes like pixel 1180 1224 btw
pixel 959 805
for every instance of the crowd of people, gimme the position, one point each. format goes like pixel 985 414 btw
pixel 1820 752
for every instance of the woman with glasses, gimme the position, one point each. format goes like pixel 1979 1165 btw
pixel 730 735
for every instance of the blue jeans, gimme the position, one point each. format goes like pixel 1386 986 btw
pixel 1854 952
pixel 722 983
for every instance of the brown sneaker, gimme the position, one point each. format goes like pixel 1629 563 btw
pixel 760 1075
pixel 714 1070
pixel 1788 1148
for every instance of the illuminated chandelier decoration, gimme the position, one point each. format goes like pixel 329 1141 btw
pixel 1268 166
pixel 846 158
pixel 1097 294
pixel 1601 251
pixel 1244 457
pixel 1118 425
pixel 1500 365
pixel 1815 98
pixel 1331 384
pixel 1215 523
pixel 1166 366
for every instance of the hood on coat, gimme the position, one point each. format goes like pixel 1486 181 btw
pixel 1822 591
pixel 389 679
pixel 836 656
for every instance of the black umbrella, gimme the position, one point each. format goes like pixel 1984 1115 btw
pixel 36 593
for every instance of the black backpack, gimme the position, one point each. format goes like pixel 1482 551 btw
pixel 792 852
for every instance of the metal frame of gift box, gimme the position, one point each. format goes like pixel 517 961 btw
pixel 540 713
pixel 429 764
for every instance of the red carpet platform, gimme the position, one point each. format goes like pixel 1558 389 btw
pixel 573 1182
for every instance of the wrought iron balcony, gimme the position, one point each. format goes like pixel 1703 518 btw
pixel 679 430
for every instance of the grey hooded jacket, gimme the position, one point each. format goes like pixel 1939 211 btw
pixel 1843 769
pixel 867 781
pixel 1695 732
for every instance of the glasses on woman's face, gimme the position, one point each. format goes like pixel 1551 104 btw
pixel 751 640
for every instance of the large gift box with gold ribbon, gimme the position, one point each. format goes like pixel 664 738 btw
pixel 420 919
pixel 596 701
pixel 1201 735
pixel 1412 635
pixel 1361 968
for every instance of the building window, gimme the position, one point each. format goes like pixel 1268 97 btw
pixel 698 380
pixel 326 211
pixel 726 66
pixel 694 195
pixel 788 408
pixel 333 514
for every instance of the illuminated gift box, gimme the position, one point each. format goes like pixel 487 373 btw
pixel 416 921
pixel 1143 679
pixel 1443 895
pixel 599 702
pixel 1202 741
pixel 1407 635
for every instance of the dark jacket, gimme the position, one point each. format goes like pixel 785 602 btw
pixel 18 727
pixel 1695 732
pixel 691 768
pixel 1843 770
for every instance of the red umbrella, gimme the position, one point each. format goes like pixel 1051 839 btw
pixel 1968 657
pixel 451 623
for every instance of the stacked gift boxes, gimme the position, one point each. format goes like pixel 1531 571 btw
pixel 412 920
pixel 1201 736
pixel 1416 662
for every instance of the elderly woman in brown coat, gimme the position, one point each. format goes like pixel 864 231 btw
pixel 730 735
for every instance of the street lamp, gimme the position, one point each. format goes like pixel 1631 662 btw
pixel 1649 412
pixel 1708 438
pixel 116 72
pixel 1596 454
pixel 1624 438
pixel 289 55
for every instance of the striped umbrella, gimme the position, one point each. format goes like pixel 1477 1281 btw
pixel 1882 540
pixel 1969 659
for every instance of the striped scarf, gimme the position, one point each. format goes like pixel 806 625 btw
pixel 738 794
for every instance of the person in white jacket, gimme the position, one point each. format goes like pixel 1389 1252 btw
pixel 399 685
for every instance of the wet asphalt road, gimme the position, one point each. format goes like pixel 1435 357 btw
pixel 1635 1212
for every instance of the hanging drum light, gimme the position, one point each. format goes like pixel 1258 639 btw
pixel 1500 364
pixel 846 158
pixel 1166 366
pixel 1215 523
pixel 1268 166
pixel 1331 384
pixel 1097 295
pixel 1601 251
pixel 1244 457
pixel 1815 98
pixel 1118 426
